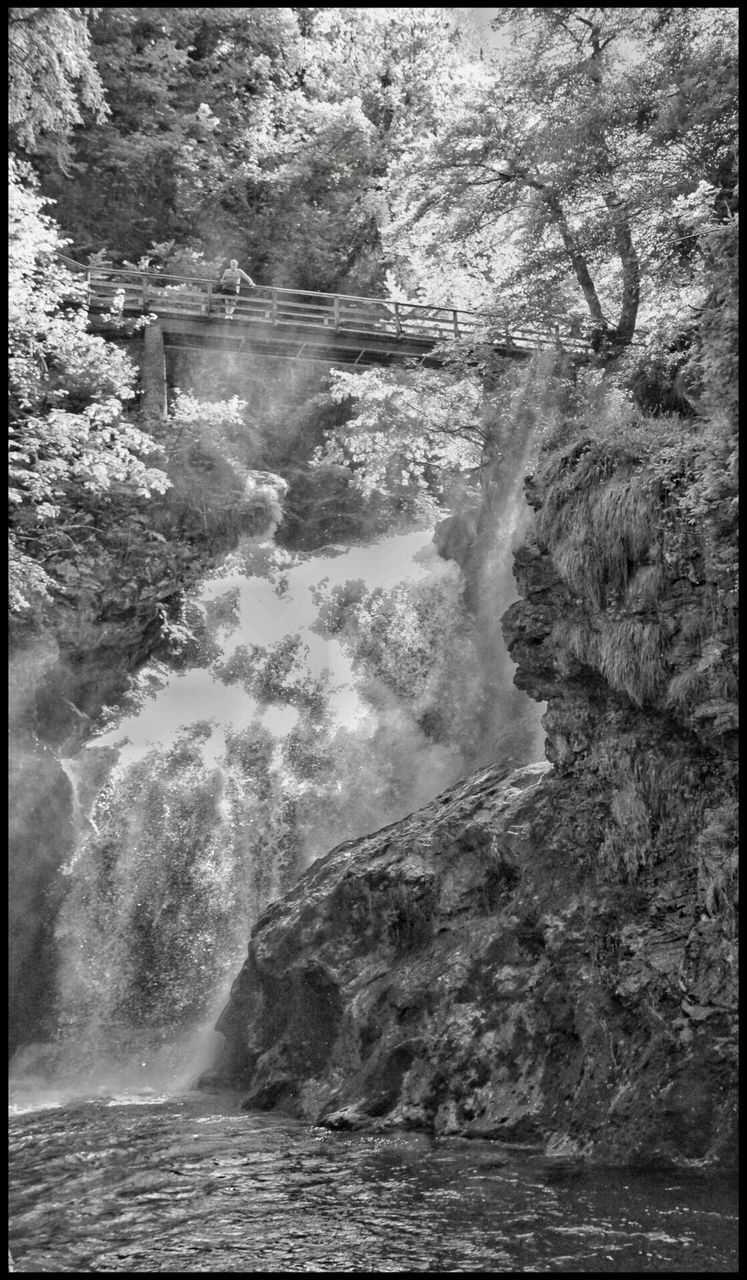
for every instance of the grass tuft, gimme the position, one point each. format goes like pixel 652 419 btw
pixel 600 527
pixel 627 652
pixel 631 657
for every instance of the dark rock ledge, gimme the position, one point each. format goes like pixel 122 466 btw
pixel 466 972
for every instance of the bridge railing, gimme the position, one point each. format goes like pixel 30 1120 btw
pixel 143 292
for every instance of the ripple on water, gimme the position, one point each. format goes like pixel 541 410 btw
pixel 194 1184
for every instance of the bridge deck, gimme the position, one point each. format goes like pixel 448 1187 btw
pixel 303 325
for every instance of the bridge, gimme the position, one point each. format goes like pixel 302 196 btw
pixel 302 325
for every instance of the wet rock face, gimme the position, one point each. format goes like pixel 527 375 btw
pixel 462 972
pixel 547 956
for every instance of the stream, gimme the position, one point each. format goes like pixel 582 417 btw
pixel 146 1183
pixel 116 1163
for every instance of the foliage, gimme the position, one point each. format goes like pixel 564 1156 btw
pixel 592 165
pixel 687 359
pixel 631 657
pixel 713 364
pixel 102 544
pixel 412 436
pixel 414 646
pixel 599 524
pixel 592 168
pixel 72 452
pixel 574 148
pixel 664 803
pixel 216 495
pixel 709 676
pixel 630 653
pixel 51 78
pixel 683 469
pixel 277 673
pixel 255 133
pixel 158 147
pixel 639 510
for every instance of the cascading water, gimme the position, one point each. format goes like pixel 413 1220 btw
pixel 331 693
pixel 512 727
pixel 203 806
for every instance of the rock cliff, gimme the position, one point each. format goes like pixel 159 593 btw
pixel 546 956
pixel 460 971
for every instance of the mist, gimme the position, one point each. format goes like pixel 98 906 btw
pixel 221 779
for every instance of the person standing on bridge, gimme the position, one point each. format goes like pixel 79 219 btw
pixel 231 283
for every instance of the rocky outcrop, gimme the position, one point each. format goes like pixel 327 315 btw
pixel 546 957
pixel 462 972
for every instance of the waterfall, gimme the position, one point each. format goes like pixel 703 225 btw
pixel 514 726
pixel 331 693
pixel 205 803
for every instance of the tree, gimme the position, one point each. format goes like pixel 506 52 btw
pixel 414 437
pixel 574 144
pixel 258 133
pixel 414 649
pixel 70 445
pixel 179 83
pixel 51 78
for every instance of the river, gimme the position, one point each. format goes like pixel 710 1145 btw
pixel 116 1164
pixel 148 1183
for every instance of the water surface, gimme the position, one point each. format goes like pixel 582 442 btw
pixel 148 1184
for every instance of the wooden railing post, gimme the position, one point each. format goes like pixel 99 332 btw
pixel 209 296
pixel 336 311
pixel 455 316
pixel 146 291
pixel 274 315
pixel 397 321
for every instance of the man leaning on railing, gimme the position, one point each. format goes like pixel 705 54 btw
pixel 231 284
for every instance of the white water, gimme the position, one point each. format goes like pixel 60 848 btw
pixel 204 804
pixel 194 813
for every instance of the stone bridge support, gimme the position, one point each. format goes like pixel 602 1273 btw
pixel 154 373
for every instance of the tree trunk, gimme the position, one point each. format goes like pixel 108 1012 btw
pixel 630 269
pixel 577 258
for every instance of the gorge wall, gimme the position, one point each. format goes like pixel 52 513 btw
pixel 545 956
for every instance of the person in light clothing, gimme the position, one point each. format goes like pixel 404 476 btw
pixel 231 284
